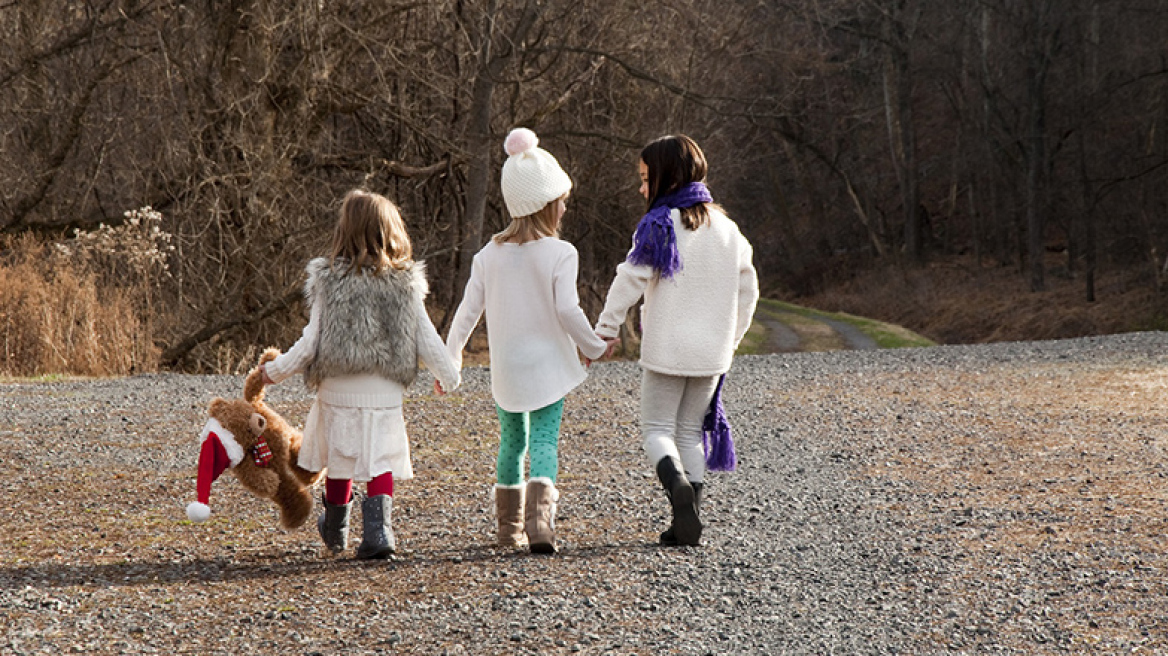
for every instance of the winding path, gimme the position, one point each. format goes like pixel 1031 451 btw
pixel 782 338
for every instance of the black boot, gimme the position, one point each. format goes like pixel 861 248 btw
pixel 687 528
pixel 669 536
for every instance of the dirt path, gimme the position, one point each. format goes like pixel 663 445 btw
pixel 853 337
pixel 782 338
pixel 807 331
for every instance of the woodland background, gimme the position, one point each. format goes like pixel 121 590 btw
pixel 973 169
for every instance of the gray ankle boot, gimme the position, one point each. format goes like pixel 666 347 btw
pixel 687 528
pixel 333 525
pixel 378 540
pixel 669 536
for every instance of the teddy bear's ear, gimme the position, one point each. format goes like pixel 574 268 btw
pixel 258 423
pixel 216 406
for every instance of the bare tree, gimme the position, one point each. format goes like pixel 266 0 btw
pixel 830 127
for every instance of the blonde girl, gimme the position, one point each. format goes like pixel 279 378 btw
pixel 524 279
pixel 367 331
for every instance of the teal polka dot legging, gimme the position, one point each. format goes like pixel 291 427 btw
pixel 538 430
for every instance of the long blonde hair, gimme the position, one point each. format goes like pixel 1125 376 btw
pixel 370 233
pixel 543 223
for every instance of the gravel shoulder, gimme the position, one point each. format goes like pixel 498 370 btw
pixel 993 499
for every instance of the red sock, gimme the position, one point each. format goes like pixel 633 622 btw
pixel 382 484
pixel 338 491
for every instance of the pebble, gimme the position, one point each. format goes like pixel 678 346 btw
pixel 866 517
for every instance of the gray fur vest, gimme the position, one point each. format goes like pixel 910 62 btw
pixel 368 322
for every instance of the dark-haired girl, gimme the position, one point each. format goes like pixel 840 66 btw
pixel 694 269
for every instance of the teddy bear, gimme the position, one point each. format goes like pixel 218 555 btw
pixel 260 448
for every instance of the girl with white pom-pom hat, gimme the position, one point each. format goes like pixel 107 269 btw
pixel 524 279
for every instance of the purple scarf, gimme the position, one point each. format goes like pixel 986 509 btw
pixel 717 442
pixel 654 243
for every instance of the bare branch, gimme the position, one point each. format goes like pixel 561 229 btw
pixel 177 351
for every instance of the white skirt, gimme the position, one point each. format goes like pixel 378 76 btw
pixel 357 443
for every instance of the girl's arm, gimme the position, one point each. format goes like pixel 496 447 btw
pixel 468 313
pixel 432 352
pixel 747 290
pixel 572 316
pixel 626 289
pixel 295 359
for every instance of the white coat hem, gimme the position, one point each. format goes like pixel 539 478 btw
pixel 672 371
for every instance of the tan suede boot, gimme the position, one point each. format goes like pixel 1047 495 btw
pixel 540 515
pixel 509 512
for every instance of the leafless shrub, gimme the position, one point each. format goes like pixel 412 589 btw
pixel 137 250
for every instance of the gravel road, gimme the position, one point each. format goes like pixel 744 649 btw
pixel 997 499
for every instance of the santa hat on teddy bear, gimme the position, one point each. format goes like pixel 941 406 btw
pixel 220 450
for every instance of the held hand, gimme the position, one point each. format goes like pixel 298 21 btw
pixel 265 377
pixel 612 342
pixel 438 389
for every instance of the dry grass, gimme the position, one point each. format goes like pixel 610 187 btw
pixel 957 302
pixel 84 306
pixel 57 318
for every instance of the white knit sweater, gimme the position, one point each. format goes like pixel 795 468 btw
pixel 690 323
pixel 534 321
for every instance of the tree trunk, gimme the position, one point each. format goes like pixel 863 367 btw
pixel 1038 65
pixel 478 181
pixel 898 110
pixel 480 140
pixel 1088 195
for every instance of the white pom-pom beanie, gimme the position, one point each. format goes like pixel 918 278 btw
pixel 531 178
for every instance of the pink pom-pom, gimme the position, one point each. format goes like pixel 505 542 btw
pixel 520 140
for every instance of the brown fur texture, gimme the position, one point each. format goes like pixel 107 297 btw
pixel 282 480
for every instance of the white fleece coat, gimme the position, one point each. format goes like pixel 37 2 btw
pixel 690 323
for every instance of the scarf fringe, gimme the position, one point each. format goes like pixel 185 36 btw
pixel 717 436
pixel 656 243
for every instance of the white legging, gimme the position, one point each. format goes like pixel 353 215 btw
pixel 672 410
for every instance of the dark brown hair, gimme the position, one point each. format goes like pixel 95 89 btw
pixel 674 161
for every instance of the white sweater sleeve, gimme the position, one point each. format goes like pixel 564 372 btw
pixel 470 310
pixel 747 290
pixel 296 359
pixel 571 315
pixel 432 352
pixel 626 289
